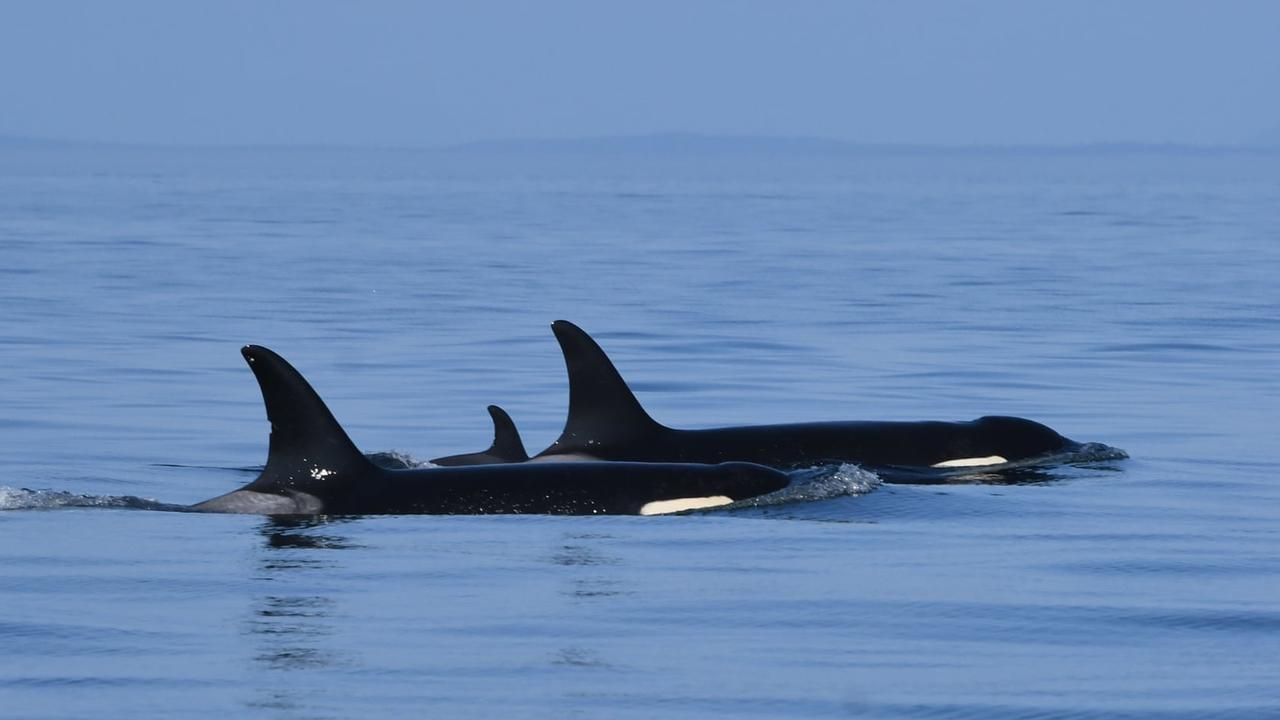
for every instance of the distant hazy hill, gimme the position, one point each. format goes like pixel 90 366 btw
pixel 676 144
pixel 673 143
pixel 18 141
pixel 26 142
pixel 664 143
pixel 695 144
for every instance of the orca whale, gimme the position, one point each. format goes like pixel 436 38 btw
pixel 507 446
pixel 313 468
pixel 606 422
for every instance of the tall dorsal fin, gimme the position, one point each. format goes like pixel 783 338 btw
pixel 506 448
pixel 602 409
pixel 307 443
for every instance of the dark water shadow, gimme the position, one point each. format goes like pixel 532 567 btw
pixel 231 468
pixel 390 459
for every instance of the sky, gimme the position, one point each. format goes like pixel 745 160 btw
pixel 383 73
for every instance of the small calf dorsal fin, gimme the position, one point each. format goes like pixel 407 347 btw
pixel 506 448
pixel 602 409
pixel 507 444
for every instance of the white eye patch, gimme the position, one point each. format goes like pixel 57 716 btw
pixel 662 507
pixel 971 462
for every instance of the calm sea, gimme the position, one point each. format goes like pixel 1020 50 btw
pixel 1126 298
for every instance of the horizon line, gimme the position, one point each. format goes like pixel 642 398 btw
pixel 652 140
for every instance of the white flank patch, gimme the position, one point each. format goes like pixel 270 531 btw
pixel 972 462
pixel 662 507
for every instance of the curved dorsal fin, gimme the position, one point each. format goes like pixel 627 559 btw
pixel 307 443
pixel 602 409
pixel 506 448
pixel 507 445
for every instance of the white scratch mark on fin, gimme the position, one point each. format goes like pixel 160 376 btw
pixel 971 462
pixel 662 507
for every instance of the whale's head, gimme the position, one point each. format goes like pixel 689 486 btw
pixel 1017 438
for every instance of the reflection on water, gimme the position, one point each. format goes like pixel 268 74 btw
pixel 292 627
pixel 581 554
pixel 579 657
pixel 288 532
pixel 589 573
pixel 587 588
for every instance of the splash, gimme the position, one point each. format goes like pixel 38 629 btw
pixel 817 483
pixel 396 460
pixel 26 499
pixel 1092 452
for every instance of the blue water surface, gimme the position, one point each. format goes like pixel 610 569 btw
pixel 1129 298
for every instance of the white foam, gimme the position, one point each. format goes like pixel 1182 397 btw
pixel 396 460
pixel 24 499
pixel 818 483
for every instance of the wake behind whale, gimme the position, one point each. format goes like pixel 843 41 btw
pixel 27 499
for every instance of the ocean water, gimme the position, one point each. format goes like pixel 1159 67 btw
pixel 1129 298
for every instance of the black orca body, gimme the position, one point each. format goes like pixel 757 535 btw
pixel 606 422
pixel 507 446
pixel 313 468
